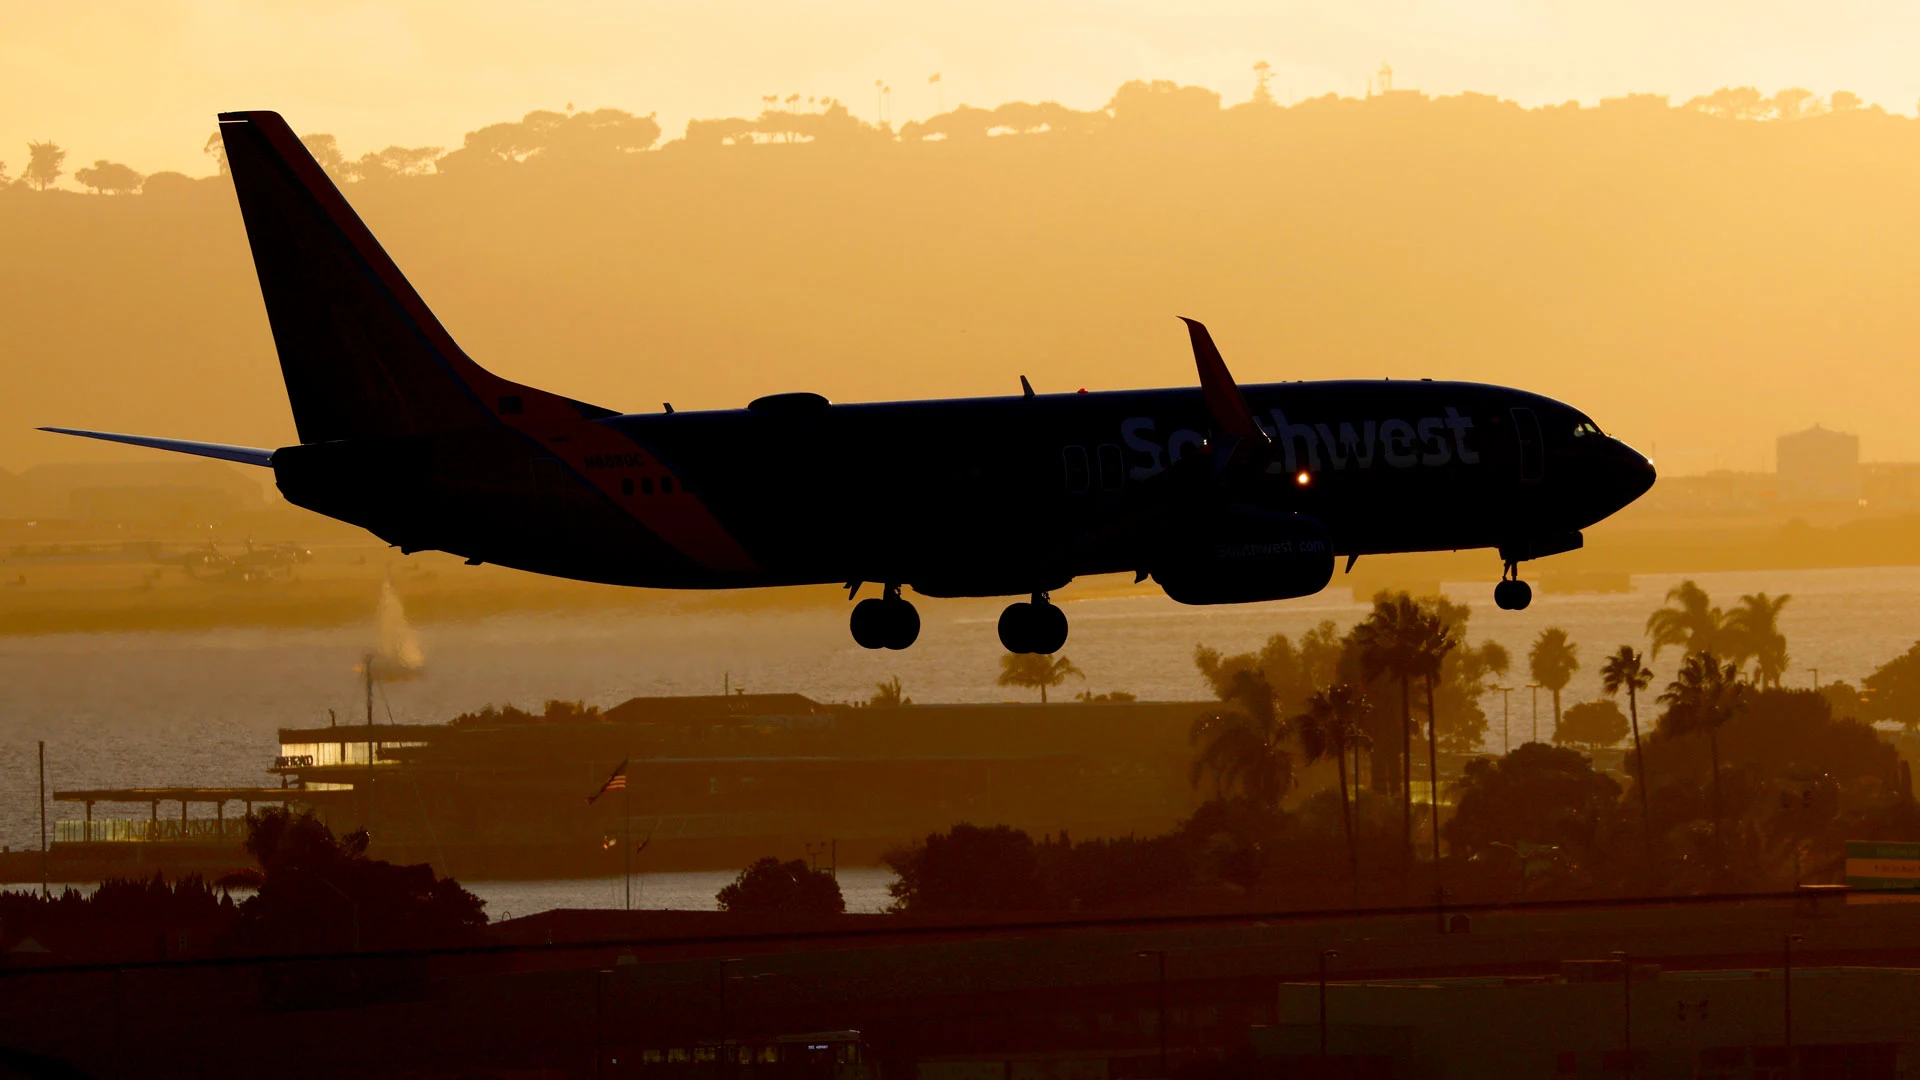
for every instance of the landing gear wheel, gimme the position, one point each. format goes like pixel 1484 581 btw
pixel 1015 624
pixel 1037 627
pixel 1049 629
pixel 1512 595
pixel 887 622
pixel 903 623
pixel 869 624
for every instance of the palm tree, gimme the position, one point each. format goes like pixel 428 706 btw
pixel 1689 621
pixel 1552 662
pixel 1752 632
pixel 888 695
pixel 1032 670
pixel 1390 644
pixel 1329 727
pixel 43 164
pixel 1437 639
pixel 1705 695
pixel 1625 671
pixel 1244 747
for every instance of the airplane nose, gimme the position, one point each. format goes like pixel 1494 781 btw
pixel 1635 474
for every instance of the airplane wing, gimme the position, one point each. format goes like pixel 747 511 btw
pixel 245 455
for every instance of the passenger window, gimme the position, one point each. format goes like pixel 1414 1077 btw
pixel 1113 467
pixel 1075 460
pixel 1526 431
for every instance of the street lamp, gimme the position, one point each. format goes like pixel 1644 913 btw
pixel 1535 687
pixel 1626 1013
pixel 1161 956
pixel 1325 955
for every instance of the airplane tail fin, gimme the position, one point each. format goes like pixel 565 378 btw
pixel 361 353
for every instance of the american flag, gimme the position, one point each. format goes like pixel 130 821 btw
pixel 616 782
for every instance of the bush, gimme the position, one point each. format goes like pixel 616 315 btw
pixel 968 868
pixel 770 885
pixel 319 893
pixel 1537 794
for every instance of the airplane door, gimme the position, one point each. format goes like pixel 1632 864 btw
pixel 1533 456
pixel 1077 477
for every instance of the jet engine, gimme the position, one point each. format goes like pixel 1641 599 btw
pixel 1245 556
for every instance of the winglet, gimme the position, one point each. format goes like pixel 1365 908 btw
pixel 1224 400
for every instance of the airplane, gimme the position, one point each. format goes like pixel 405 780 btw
pixel 1221 494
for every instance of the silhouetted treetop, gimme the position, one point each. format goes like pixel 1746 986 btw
pixel 326 152
pixel 554 712
pixel 1013 118
pixel 1161 106
pixel 547 136
pixel 109 178
pixel 396 161
pixel 43 164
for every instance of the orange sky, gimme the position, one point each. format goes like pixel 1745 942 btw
pixel 139 82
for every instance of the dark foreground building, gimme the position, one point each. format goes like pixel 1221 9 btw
pixel 708 783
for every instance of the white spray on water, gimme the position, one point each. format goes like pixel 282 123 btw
pixel 399 657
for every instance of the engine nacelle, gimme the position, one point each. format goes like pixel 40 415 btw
pixel 1246 557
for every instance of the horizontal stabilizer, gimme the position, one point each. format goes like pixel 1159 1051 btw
pixel 245 455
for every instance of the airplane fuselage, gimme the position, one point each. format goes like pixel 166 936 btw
pixel 980 496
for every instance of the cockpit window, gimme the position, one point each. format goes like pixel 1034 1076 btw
pixel 1585 427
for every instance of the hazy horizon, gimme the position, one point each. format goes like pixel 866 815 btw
pixel 140 84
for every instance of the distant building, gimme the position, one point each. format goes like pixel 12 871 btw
pixel 1892 485
pixel 1817 465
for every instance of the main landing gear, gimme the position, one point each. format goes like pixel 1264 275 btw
pixel 1035 627
pixel 1512 594
pixel 885 622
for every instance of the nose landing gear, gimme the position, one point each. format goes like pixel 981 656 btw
pixel 885 622
pixel 1035 627
pixel 1512 594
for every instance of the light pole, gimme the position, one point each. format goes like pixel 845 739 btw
pixel 1626 1011
pixel 1506 717
pixel 1535 687
pixel 1787 999
pixel 1161 956
pixel 1325 955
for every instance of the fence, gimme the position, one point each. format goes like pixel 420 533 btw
pixel 175 831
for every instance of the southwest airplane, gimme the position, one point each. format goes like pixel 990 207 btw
pixel 1220 495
